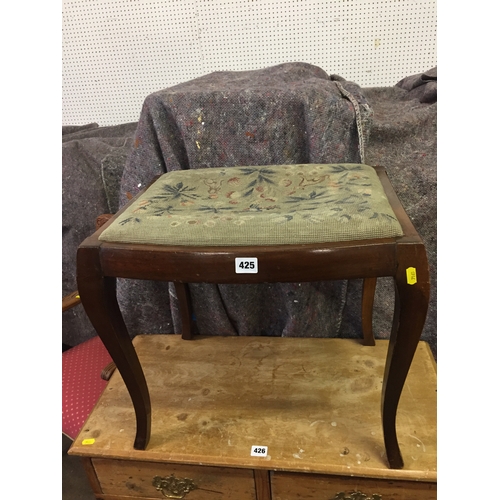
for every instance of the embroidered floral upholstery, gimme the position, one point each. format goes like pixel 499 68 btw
pixel 261 205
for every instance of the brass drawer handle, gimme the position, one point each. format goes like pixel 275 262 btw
pixel 172 487
pixel 356 495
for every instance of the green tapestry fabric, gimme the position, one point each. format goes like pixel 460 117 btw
pixel 259 205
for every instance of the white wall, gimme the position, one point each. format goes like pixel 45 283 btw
pixel 116 52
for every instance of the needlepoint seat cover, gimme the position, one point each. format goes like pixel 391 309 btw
pixel 259 205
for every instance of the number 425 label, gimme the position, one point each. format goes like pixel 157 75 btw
pixel 258 451
pixel 246 265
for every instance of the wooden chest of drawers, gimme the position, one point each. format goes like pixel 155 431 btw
pixel 312 405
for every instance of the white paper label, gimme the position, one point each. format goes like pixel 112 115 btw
pixel 246 265
pixel 258 451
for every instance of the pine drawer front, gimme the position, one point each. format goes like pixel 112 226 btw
pixel 292 486
pixel 134 479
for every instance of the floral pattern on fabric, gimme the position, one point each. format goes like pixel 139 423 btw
pixel 275 204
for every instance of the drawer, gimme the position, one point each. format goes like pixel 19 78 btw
pixel 136 479
pixel 293 486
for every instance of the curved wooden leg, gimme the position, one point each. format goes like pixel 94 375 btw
pixel 369 285
pixel 186 310
pixel 98 296
pixel 412 301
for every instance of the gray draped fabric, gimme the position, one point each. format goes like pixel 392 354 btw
pixel 285 114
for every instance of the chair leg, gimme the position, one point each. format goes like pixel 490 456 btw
pixel 412 301
pixel 98 296
pixel 367 300
pixel 186 310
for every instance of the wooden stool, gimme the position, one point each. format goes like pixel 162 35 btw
pixel 278 223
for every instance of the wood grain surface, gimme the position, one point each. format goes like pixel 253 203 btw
pixel 286 486
pixel 135 479
pixel 315 403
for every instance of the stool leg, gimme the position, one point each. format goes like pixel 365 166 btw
pixel 185 307
pixel 98 296
pixel 412 301
pixel 367 300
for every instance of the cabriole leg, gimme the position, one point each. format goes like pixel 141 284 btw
pixel 367 300
pixel 412 301
pixel 185 308
pixel 98 296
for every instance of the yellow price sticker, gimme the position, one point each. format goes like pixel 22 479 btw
pixel 88 441
pixel 411 275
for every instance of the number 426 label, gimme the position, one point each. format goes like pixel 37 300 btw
pixel 246 265
pixel 258 451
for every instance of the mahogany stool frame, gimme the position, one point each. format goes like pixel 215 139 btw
pixel 99 263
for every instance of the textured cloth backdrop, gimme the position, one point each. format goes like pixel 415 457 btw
pixel 286 114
